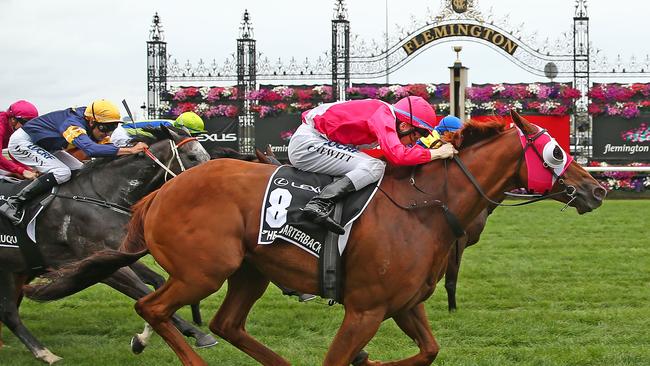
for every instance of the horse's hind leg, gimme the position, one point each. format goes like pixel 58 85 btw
pixel 245 287
pixel 126 281
pixel 355 332
pixel 415 324
pixel 157 308
pixel 9 316
pixel 148 276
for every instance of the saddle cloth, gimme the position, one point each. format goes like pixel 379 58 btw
pixel 288 191
pixel 12 236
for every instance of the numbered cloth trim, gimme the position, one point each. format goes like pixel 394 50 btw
pixel 287 192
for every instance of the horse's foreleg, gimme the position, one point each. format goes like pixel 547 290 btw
pixel 415 324
pixel 148 276
pixel 157 308
pixel 245 287
pixel 125 281
pixel 9 316
pixel 355 332
pixel 451 276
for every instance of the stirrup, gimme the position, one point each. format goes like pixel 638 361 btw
pixel 15 217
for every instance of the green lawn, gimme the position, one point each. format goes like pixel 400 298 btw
pixel 543 287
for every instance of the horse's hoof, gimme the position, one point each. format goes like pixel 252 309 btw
pixel 360 359
pixel 205 341
pixel 136 346
pixel 48 357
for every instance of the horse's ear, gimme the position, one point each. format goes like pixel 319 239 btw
pixel 521 122
pixel 261 157
pixel 170 133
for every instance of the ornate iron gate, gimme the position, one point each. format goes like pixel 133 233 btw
pixel 570 57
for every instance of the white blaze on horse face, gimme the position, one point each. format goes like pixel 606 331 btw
pixel 198 150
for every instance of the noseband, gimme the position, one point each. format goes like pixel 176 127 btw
pixel 175 154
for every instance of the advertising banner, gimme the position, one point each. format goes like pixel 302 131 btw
pixel 618 138
pixel 276 131
pixel 221 131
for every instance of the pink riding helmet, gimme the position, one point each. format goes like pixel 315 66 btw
pixel 416 111
pixel 22 109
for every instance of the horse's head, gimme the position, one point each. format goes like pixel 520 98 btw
pixel 547 169
pixel 176 149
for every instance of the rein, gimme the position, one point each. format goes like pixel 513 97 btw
pixel 102 203
pixel 126 210
pixel 451 218
pixel 175 154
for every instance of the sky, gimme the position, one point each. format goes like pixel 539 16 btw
pixel 64 53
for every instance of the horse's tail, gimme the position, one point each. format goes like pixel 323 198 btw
pixel 134 240
pixel 81 274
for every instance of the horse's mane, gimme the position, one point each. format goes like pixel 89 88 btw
pixel 151 136
pixel 473 132
pixel 226 152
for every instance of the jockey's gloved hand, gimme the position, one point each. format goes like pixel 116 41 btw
pixel 445 151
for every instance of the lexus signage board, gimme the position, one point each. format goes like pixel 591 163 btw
pixel 618 138
pixel 222 132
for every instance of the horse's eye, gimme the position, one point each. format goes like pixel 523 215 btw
pixel 193 157
pixel 557 153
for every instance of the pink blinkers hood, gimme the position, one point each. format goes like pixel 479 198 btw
pixel 543 160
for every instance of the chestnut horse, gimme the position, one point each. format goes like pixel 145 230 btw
pixel 395 256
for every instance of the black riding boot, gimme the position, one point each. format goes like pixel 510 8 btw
pixel 319 208
pixel 13 208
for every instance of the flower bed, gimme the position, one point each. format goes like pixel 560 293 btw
pixel 622 181
pixel 489 99
pixel 537 98
pixel 209 102
pixel 626 100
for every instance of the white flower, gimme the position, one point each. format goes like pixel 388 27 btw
pixel 550 104
pixel 394 88
pixel 517 105
pixel 280 89
pixel 498 88
pixel 646 182
pixel 164 106
pixel 431 88
pixel 227 91
pixel 533 89
pixel 443 106
pixel 204 91
pixel 488 106
pixel 469 107
pixel 202 107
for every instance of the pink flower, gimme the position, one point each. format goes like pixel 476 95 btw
pixel 630 110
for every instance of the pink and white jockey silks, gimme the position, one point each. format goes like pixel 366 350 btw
pixel 545 159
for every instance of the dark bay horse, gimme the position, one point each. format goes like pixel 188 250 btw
pixel 393 261
pixel 71 229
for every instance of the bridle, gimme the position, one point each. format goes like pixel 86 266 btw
pixel 569 190
pixel 175 154
pixel 126 210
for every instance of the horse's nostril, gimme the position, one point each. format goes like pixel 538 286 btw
pixel 599 193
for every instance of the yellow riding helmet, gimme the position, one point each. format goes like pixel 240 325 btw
pixel 102 111
pixel 191 121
